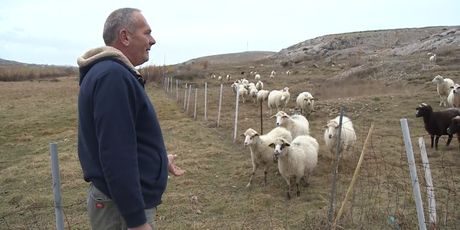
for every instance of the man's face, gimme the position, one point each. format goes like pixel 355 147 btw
pixel 140 41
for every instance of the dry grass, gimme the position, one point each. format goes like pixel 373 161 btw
pixel 212 194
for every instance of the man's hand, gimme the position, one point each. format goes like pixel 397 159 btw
pixel 173 168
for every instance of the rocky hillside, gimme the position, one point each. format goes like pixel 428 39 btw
pixel 398 42
pixel 390 55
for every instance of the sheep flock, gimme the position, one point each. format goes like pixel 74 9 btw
pixel 293 149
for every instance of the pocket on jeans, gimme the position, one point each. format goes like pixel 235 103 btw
pixel 97 195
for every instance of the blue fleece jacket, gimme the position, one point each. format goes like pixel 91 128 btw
pixel 120 144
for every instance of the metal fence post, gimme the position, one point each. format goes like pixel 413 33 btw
pixel 413 174
pixel 56 186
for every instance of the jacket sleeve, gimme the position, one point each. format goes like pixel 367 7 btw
pixel 114 118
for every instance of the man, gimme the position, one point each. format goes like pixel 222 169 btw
pixel 120 144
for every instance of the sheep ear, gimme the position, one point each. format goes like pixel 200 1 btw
pixel 287 144
pixel 273 116
pixel 272 145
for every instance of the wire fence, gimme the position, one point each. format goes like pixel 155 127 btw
pixel 384 192
pixel 382 197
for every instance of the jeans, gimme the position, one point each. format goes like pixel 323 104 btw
pixel 104 215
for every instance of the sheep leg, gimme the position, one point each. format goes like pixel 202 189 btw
pixel 305 180
pixel 436 140
pixel 449 140
pixel 250 179
pixel 432 140
pixel 458 138
pixel 254 167
pixel 298 189
pixel 288 181
pixel 265 177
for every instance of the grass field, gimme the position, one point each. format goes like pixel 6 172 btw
pixel 212 194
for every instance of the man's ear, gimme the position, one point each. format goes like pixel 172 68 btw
pixel 124 36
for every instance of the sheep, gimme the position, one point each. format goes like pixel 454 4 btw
pixel 274 100
pixel 259 85
pixel 242 91
pixel 234 87
pixel 261 153
pixel 257 77
pixel 296 159
pixel 436 123
pixel 305 102
pixel 272 74
pixel 443 86
pixel 453 100
pixel 253 92
pixel 433 58
pixel 347 134
pixel 285 97
pixel 262 95
pixel 297 124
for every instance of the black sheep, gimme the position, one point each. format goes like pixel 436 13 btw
pixel 436 123
pixel 454 127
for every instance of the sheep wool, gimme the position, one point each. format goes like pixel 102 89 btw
pixel 347 135
pixel 261 153
pixel 297 124
pixel 296 159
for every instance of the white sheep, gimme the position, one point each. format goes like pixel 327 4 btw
pixel 296 159
pixel 259 85
pixel 443 86
pixel 257 77
pixel 274 100
pixel 453 100
pixel 261 153
pixel 347 135
pixel 433 58
pixel 253 92
pixel 305 102
pixel 285 97
pixel 242 91
pixel 262 95
pixel 272 74
pixel 297 124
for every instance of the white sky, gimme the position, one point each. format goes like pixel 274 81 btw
pixel 56 32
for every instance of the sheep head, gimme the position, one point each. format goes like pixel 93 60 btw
pixel 279 145
pixel 423 110
pixel 331 128
pixel 280 117
pixel 438 79
pixel 249 136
